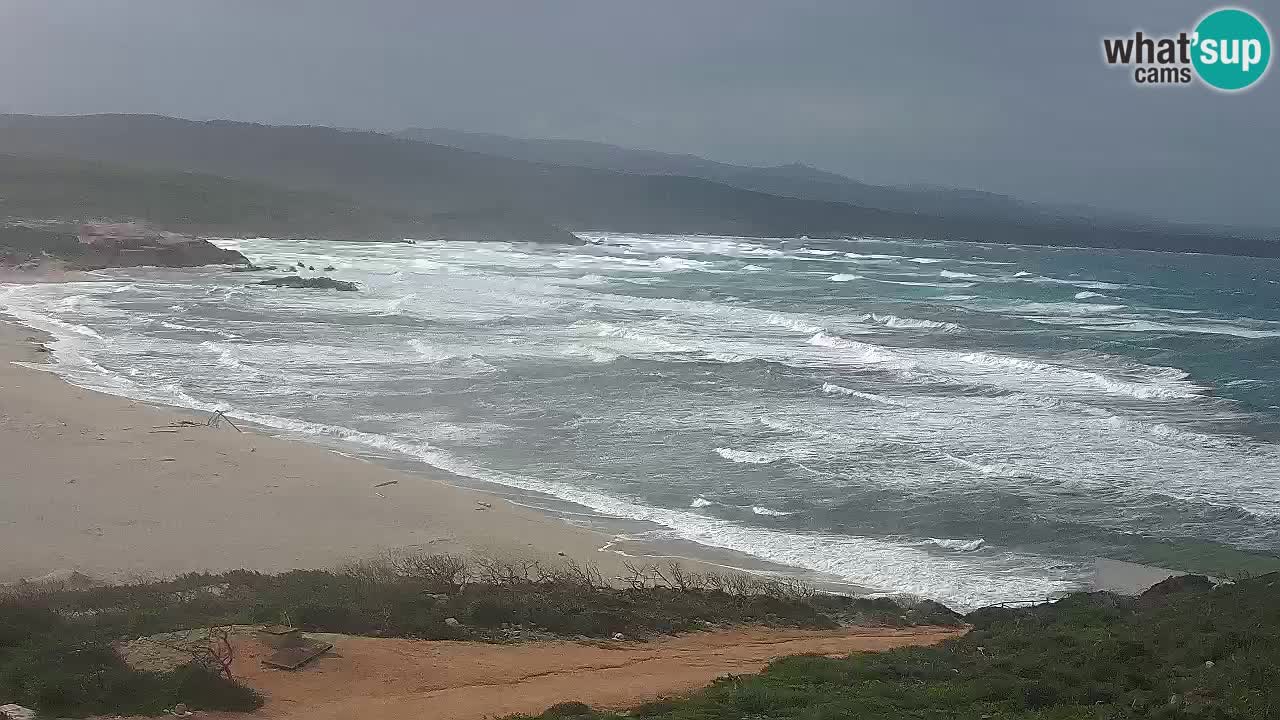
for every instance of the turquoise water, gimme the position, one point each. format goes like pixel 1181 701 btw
pixel 968 422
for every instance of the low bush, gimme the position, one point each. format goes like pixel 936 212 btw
pixel 1182 650
pixel 68 667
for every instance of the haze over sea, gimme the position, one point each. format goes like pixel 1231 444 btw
pixel 971 423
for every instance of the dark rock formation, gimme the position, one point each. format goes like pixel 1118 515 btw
pixel 295 281
pixel 40 246
pixel 187 252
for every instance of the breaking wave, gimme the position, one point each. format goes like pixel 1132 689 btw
pixel 747 456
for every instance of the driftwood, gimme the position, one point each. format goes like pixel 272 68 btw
pixel 216 654
pixel 216 419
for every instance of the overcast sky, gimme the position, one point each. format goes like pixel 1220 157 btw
pixel 1006 96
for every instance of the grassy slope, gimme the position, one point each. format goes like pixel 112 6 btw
pixel 1192 653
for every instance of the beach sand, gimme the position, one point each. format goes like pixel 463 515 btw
pixel 107 487
pixel 116 489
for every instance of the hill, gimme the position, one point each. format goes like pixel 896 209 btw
pixel 470 188
pixel 792 180
pixel 43 187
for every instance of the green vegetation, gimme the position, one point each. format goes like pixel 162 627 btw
pixel 21 244
pixel 55 643
pixel 1181 650
pixel 66 665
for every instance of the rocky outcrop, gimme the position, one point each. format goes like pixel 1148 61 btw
pixel 57 247
pixel 295 281
pixel 166 252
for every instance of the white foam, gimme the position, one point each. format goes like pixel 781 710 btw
pixel 844 277
pixel 958 275
pixel 397 304
pixel 747 456
pixel 833 389
pixel 914 283
pixel 758 510
pixel 640 340
pixel 51 325
pixel 1199 328
pixel 592 353
pixel 427 353
pixel 958 545
pixel 894 321
pixel 1086 294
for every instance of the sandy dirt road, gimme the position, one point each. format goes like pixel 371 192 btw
pixel 386 679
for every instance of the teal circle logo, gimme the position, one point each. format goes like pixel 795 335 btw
pixel 1231 49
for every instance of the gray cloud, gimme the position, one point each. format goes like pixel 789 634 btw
pixel 1005 96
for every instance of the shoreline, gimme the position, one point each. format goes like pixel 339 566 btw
pixel 116 489
pixel 315 516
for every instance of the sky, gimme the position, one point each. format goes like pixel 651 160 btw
pixel 1008 96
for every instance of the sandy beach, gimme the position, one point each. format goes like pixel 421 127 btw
pixel 115 489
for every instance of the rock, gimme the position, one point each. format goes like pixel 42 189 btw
pixel 619 636
pixel 327 268
pixel 16 712
pixel 253 268
pixel 295 281
pixel 181 710
pixel 452 622
pixel 311 267
pixel 1163 592
pixel 561 554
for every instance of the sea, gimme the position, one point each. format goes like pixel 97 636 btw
pixel 967 422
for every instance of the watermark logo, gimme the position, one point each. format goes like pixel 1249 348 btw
pixel 1228 50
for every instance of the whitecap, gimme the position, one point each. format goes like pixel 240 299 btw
pixel 759 510
pixel 427 353
pixel 833 389
pixel 844 277
pixel 958 275
pixel 1203 329
pixel 914 283
pixel 397 304
pixel 700 502
pixel 747 456
pixel 958 545
pixel 894 321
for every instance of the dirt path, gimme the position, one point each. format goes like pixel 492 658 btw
pixel 377 679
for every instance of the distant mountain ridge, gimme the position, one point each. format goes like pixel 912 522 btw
pixel 790 180
pixel 486 196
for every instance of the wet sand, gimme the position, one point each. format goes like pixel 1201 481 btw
pixel 115 489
